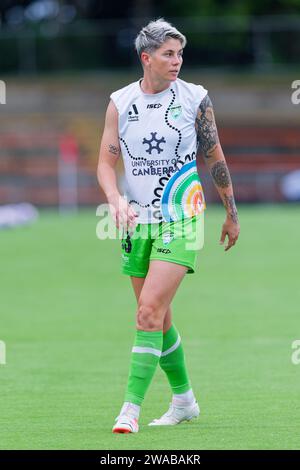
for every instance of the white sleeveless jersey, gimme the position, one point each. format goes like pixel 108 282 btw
pixel 159 144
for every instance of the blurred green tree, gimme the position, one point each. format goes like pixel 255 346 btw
pixel 176 8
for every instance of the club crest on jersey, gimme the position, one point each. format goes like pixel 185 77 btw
pixel 176 110
pixel 167 238
pixel 133 114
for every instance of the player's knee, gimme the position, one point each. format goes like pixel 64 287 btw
pixel 148 317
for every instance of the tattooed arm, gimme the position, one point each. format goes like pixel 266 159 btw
pixel 109 154
pixel 209 145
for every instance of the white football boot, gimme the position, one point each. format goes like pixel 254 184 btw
pixel 125 425
pixel 176 415
pixel 127 421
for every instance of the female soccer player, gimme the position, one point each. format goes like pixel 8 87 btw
pixel 158 123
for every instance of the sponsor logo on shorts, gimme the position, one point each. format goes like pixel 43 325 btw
pixel 127 245
pixel 125 259
pixel 165 251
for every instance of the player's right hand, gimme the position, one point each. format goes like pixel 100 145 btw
pixel 122 213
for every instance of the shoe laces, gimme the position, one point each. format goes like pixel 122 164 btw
pixel 172 409
pixel 127 415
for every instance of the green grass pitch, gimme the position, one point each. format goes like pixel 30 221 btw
pixel 67 319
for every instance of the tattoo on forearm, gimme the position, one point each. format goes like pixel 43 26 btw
pixel 220 174
pixel 207 133
pixel 113 149
pixel 230 205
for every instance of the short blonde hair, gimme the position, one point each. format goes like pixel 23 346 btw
pixel 152 36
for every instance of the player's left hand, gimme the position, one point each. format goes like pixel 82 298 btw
pixel 230 229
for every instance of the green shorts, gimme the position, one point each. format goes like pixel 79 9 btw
pixel 175 242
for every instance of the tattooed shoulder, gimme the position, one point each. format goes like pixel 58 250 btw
pixel 205 103
pixel 206 128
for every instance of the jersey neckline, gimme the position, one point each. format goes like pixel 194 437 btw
pixel 152 95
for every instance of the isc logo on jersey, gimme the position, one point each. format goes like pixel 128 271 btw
pixel 154 106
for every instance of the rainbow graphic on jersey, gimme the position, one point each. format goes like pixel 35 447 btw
pixel 183 195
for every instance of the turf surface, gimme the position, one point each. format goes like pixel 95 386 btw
pixel 67 318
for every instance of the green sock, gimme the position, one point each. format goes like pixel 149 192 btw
pixel 144 360
pixel 172 362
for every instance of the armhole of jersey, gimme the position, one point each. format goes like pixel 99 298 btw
pixel 114 100
pixel 201 99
